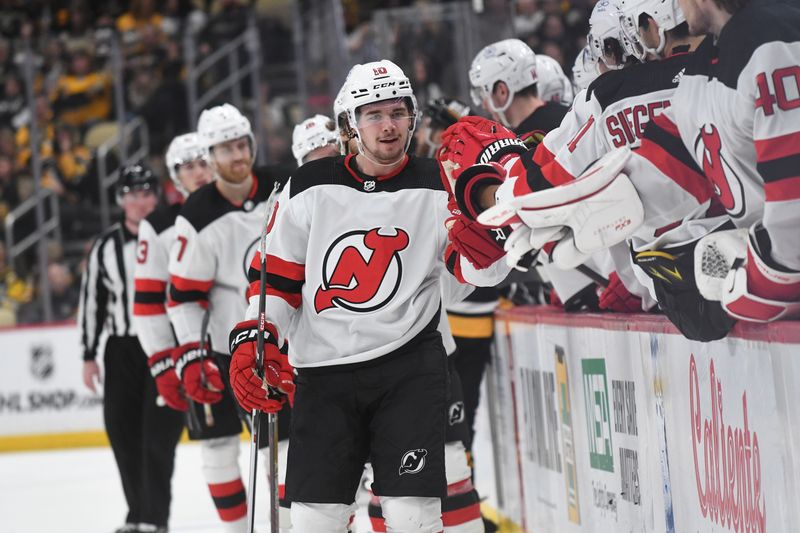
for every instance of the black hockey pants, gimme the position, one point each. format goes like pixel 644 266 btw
pixel 143 435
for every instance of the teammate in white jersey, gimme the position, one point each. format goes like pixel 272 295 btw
pixel 216 234
pixel 371 368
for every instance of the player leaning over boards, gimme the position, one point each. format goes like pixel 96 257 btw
pixel 353 265
pixel 731 128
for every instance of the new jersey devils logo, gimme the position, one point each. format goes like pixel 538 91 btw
pixel 413 461
pixel 708 147
pixel 362 270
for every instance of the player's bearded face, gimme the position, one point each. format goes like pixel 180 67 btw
pixel 233 160
pixel 194 174
pixel 384 129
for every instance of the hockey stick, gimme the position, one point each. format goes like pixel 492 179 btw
pixel 207 411
pixel 255 420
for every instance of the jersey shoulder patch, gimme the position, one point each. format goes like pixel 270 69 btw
pixel 163 217
pixel 756 24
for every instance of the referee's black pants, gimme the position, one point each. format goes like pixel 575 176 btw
pixel 143 435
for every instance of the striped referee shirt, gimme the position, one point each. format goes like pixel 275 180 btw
pixel 106 300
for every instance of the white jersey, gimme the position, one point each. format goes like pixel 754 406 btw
pixel 611 113
pixel 151 277
pixel 215 242
pixel 354 263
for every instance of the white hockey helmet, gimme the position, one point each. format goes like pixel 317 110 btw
pixel 221 124
pixel 312 133
pixel 666 13
pixel 605 29
pixel 183 149
pixel 340 117
pixel 584 71
pixel 510 61
pixel 375 82
pixel 553 84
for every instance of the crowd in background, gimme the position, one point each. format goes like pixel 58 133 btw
pixel 75 109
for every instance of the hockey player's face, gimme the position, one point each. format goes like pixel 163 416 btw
pixel 384 129
pixel 194 174
pixel 233 160
pixel 138 204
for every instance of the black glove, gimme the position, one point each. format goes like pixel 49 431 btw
pixel 672 272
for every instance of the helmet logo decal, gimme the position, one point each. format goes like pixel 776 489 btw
pixel 380 71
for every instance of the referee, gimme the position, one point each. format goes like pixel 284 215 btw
pixel 143 435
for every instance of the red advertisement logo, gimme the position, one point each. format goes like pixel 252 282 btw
pixel 727 462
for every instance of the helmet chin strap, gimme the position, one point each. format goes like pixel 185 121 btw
pixel 501 111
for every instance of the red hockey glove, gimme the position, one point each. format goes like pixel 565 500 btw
pixel 162 368
pixel 200 376
pixel 474 140
pixel 615 297
pixel 473 241
pixel 267 394
pixel 470 184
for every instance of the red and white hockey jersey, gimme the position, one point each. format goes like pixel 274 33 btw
pixel 737 111
pixel 611 113
pixel 215 242
pixel 151 277
pixel 354 262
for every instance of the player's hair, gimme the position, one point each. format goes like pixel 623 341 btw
pixel 529 91
pixel 731 6
pixel 680 31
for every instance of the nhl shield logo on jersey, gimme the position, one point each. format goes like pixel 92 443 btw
pixel 724 180
pixel 361 271
pixel 413 461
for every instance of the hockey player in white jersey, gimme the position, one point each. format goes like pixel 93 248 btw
pixel 216 234
pixel 731 127
pixel 188 169
pixel 371 369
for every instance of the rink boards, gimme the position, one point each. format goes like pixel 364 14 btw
pixel 605 423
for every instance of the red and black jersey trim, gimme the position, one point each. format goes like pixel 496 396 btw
pixel 778 163
pixel 150 297
pixel 662 146
pixel 285 280
pixel 185 291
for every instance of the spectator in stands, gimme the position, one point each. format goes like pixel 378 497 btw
pixel 6 63
pixel 63 297
pixel 83 96
pixel 12 100
pixel 43 114
pixel 181 16
pixel 227 24
pixel 141 17
pixel 53 64
pixel 8 146
pixel 528 18
pixel 72 159
pixel 9 198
